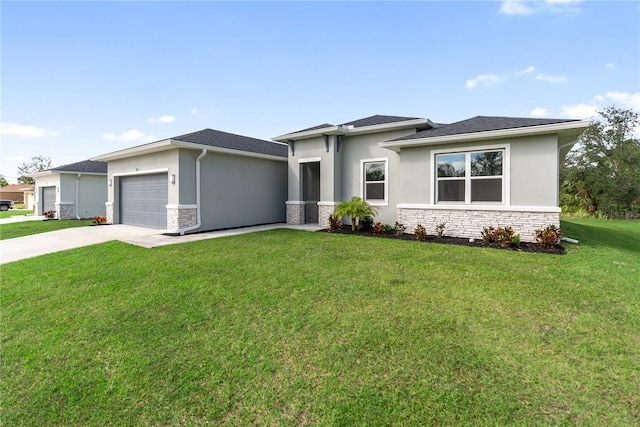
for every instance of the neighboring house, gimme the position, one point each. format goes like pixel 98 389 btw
pixel 484 171
pixel 201 181
pixel 18 193
pixel 73 191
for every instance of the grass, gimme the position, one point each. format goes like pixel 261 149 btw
pixel 15 212
pixel 26 228
pixel 297 328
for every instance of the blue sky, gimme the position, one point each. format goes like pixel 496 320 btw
pixel 81 79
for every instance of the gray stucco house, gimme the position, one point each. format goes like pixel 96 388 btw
pixel 479 172
pixel 74 191
pixel 201 181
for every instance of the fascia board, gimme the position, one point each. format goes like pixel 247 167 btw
pixel 211 149
pixel 340 130
pixel 387 126
pixel 81 173
pixel 494 134
pixel 332 130
pixel 134 151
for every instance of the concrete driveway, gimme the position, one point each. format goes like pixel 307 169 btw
pixel 69 238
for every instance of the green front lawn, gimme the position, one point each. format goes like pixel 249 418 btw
pixel 26 228
pixel 15 212
pixel 297 328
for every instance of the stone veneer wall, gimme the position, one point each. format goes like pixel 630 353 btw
pixel 65 210
pixel 295 213
pixel 324 211
pixel 181 217
pixel 109 212
pixel 469 223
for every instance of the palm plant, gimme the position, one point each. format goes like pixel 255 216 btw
pixel 356 208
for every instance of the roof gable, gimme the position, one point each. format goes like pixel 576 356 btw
pixel 216 138
pixel 378 120
pixel 85 166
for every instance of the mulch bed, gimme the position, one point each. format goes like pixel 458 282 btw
pixel 446 240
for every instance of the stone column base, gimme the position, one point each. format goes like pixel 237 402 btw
pixel 181 216
pixel 109 212
pixel 295 212
pixel 65 210
pixel 325 209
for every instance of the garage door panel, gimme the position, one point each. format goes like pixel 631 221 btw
pixel 143 200
pixel 48 199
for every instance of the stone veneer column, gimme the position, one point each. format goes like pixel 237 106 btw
pixel 109 212
pixel 469 223
pixel 65 210
pixel 181 216
pixel 325 209
pixel 295 212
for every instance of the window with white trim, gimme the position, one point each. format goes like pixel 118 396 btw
pixel 374 181
pixel 470 177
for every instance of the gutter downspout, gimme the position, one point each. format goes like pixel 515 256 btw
pixel 198 223
pixel 77 191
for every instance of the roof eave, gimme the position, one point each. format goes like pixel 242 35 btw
pixel 346 130
pixel 560 128
pixel 153 147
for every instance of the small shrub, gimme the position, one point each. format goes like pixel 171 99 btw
pixel 549 236
pixel 334 223
pixel 399 228
pixel 99 219
pixel 50 214
pixel 365 223
pixel 515 240
pixel 440 229
pixel 420 232
pixel 504 237
pixel 378 227
pixel 387 228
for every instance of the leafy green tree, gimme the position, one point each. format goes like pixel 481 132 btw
pixel 356 208
pixel 3 181
pixel 36 164
pixel 603 171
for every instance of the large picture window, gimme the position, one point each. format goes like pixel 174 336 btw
pixel 374 181
pixel 470 177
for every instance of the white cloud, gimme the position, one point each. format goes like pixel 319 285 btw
pixel 162 119
pixel 610 66
pixel 516 7
pixel 194 111
pixel 626 99
pixel 129 136
pixel 551 79
pixel 539 112
pixel 526 7
pixel 484 80
pixel 580 111
pixel 528 70
pixel 25 131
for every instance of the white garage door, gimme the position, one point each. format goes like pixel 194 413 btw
pixel 48 199
pixel 143 200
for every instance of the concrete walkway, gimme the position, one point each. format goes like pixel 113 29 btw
pixel 70 238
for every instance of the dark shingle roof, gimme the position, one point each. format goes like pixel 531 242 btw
pixel 322 126
pixel 482 124
pixel 216 138
pixel 378 120
pixel 85 166
pixel 367 121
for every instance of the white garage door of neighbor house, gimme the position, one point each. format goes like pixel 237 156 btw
pixel 48 199
pixel 143 200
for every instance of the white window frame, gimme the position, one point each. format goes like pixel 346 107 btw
pixel 384 202
pixel 506 174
